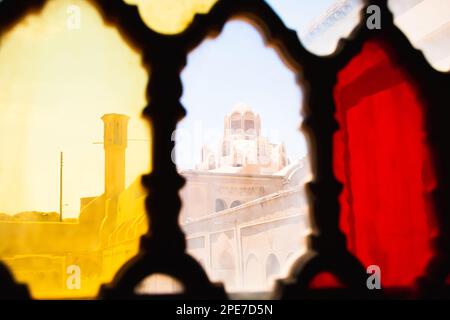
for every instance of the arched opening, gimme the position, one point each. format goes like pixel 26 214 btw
pixel 220 205
pixel 223 258
pixel 257 147
pixel 235 203
pixel 249 123
pixel 254 278
pixel 273 267
pixel 236 123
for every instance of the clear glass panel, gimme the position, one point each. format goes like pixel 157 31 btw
pixel 321 23
pixel 159 284
pixel 244 210
pixel 427 25
pixel 72 142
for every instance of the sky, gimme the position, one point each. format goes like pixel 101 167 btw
pixel 299 14
pixel 58 81
pixel 237 67
pixel 56 84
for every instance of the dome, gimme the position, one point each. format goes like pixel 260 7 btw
pixel 241 108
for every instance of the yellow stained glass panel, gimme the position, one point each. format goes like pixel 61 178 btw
pixel 170 16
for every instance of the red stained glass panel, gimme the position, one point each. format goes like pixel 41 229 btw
pixel 382 158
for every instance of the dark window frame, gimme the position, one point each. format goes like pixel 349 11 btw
pixel 164 247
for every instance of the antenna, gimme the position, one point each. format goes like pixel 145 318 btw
pixel 134 140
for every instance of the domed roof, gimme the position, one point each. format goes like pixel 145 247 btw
pixel 241 108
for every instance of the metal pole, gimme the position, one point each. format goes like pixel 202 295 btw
pixel 61 187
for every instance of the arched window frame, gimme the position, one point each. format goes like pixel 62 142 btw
pixel 220 205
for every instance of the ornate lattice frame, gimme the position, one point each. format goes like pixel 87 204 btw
pixel 163 249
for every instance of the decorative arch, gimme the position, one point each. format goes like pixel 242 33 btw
pixel 220 205
pixel 249 122
pixel 235 203
pixel 273 267
pixel 235 122
pixel 253 272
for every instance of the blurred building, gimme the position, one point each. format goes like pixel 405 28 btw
pixel 425 22
pixel 243 149
pixel 238 216
pixel 39 248
pixel 243 203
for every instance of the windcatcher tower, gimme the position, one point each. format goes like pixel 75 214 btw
pixel 115 144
